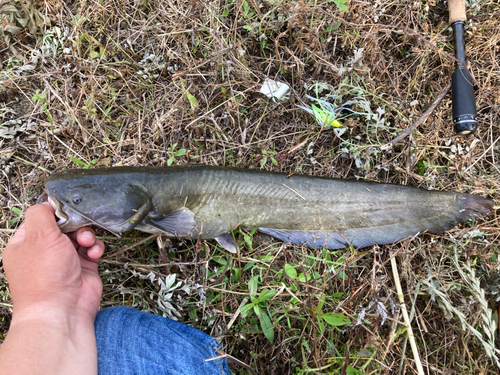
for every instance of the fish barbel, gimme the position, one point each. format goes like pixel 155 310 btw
pixel 183 201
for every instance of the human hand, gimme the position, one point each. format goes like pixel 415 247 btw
pixel 49 271
pixel 56 292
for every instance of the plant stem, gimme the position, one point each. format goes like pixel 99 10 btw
pixel 411 337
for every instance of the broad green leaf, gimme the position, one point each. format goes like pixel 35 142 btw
pixel 246 7
pixel 14 220
pixel 253 283
pixel 321 325
pixel 248 240
pixel 335 319
pixel 192 314
pixel 290 271
pixel 257 310
pixel 170 160
pixel 17 210
pixel 341 4
pixel 266 294
pixel 192 100
pixel 352 371
pixel 220 260
pixel 303 278
pixel 248 266
pixel 236 274
pixel 180 152
pixel 245 310
pixel 266 258
pixel 321 302
pixel 267 326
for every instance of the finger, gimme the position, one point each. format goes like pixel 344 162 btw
pixel 41 221
pixel 96 251
pixel 83 237
pixel 86 262
pixel 92 253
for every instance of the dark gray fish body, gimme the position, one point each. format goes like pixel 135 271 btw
pixel 320 212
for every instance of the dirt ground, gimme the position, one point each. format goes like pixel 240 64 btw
pixel 94 83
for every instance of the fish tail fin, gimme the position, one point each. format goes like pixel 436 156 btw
pixel 474 206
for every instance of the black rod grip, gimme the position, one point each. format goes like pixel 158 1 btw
pixel 463 101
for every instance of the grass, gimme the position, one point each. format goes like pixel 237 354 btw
pixel 166 83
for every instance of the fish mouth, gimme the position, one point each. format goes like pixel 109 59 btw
pixel 61 217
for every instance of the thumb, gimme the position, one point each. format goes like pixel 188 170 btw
pixel 41 222
pixel 18 237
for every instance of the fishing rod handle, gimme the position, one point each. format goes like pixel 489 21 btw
pixel 463 101
pixel 456 8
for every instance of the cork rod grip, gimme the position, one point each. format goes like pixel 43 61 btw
pixel 457 10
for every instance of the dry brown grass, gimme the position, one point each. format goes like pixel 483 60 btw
pixel 94 105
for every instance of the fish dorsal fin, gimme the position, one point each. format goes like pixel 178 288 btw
pixel 227 242
pixel 178 223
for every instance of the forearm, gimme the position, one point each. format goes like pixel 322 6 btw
pixel 54 344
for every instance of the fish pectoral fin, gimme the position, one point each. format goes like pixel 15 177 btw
pixel 313 238
pixel 136 218
pixel 227 242
pixel 178 223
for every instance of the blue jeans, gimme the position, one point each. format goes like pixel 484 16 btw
pixel 134 342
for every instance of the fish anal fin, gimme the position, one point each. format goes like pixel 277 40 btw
pixel 313 238
pixel 227 242
pixel 357 237
pixel 178 223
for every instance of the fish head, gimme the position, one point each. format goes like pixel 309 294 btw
pixel 84 197
pixel 68 220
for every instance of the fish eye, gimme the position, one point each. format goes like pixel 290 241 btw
pixel 77 199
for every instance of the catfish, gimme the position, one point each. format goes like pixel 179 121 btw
pixel 210 202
